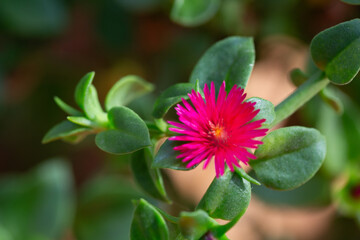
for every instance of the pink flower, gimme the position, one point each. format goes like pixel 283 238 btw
pixel 218 129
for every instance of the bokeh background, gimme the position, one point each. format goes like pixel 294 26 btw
pixel 46 46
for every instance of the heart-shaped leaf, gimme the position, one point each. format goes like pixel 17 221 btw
pixel 193 13
pixel 125 90
pixel 289 157
pixel 129 132
pixel 227 197
pixel 231 60
pixel 266 110
pixel 65 129
pixel 337 51
pixel 149 179
pixel 170 97
pixel 148 224
pixel 166 157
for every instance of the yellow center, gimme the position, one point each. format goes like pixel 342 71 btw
pixel 218 132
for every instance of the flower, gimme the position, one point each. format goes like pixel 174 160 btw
pixel 220 129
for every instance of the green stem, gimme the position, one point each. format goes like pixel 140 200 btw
pixel 302 94
pixel 222 229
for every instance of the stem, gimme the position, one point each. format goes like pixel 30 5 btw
pixel 298 98
pixel 222 229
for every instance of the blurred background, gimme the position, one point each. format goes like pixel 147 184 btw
pixel 46 46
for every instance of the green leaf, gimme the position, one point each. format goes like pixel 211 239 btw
pixel 63 130
pixel 166 157
pixel 298 77
pixel 337 51
pixel 66 108
pixel 266 110
pixel 38 205
pixel 129 132
pixel 82 121
pixel 170 97
pixel 125 90
pixel 82 88
pixel 104 208
pixel 92 107
pixel 33 18
pixel 194 225
pixel 193 13
pixel 328 95
pixel 352 2
pixel 150 180
pixel 227 197
pixel 148 224
pixel 230 60
pixel 289 157
pixel 87 99
pixel 241 172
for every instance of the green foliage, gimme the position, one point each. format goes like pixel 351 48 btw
pixel 194 12
pixel 39 205
pixel 87 99
pixel 148 224
pixel 65 129
pixel 289 157
pixel 125 90
pixel 104 208
pixel 266 110
pixel 166 157
pixel 194 225
pixel 328 95
pixel 170 97
pixel 33 18
pixel 298 77
pixel 149 179
pixel 230 60
pixel 337 51
pixel 66 108
pixel 82 121
pixel 128 132
pixel 227 197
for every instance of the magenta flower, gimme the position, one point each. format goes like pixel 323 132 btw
pixel 218 129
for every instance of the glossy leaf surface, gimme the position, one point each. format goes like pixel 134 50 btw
pixel 337 51
pixel 128 134
pixel 227 197
pixel 266 110
pixel 148 224
pixel 166 157
pixel 170 97
pixel 125 90
pixel 230 60
pixel 289 157
pixel 64 129
pixel 149 179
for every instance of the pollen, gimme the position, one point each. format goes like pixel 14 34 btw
pixel 218 132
